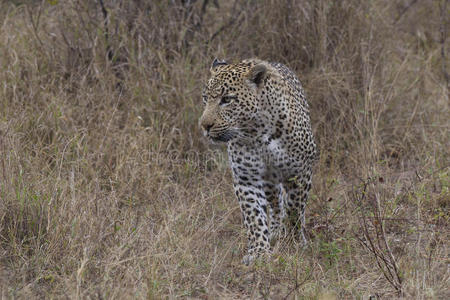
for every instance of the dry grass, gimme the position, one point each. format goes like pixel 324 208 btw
pixel 107 189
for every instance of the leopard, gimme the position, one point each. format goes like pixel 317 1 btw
pixel 259 110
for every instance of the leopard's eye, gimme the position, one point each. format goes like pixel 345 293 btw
pixel 227 100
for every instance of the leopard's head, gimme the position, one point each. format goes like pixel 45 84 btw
pixel 231 98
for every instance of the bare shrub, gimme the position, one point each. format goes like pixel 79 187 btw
pixel 374 239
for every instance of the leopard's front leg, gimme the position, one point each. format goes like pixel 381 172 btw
pixel 253 206
pixel 248 170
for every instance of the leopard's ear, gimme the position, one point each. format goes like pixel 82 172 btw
pixel 258 73
pixel 217 63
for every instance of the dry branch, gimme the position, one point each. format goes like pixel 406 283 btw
pixel 376 243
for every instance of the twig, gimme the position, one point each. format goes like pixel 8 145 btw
pixel 3 135
pixel 228 24
pixel 297 284
pixel 377 245
pixel 196 26
pixel 35 23
pixel 109 51
pixel 405 9
pixel 442 28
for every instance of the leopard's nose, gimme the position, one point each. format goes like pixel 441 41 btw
pixel 207 126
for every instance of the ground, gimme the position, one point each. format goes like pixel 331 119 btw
pixel 109 190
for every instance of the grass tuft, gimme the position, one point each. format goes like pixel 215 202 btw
pixel 108 190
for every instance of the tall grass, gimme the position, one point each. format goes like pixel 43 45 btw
pixel 108 190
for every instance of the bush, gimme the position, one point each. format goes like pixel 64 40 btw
pixel 107 188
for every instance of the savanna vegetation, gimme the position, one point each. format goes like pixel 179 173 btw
pixel 109 191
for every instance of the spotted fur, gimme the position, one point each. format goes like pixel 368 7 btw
pixel 259 109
